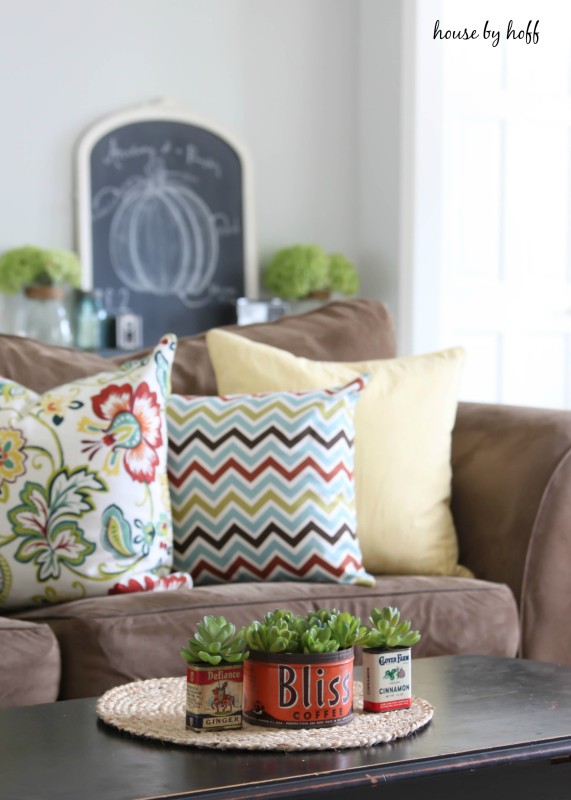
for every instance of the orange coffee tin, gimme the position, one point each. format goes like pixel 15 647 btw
pixel 298 690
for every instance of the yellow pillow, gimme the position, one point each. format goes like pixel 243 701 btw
pixel 403 422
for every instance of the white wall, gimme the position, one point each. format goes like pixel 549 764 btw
pixel 421 180
pixel 380 149
pixel 280 74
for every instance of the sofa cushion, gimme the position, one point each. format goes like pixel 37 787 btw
pixel 107 641
pixel 262 486
pixel 403 424
pixel 347 330
pixel 30 667
pixel 41 366
pixel 84 499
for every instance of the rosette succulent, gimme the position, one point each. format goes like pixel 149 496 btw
pixel 281 631
pixel 388 631
pixel 322 631
pixel 276 633
pixel 215 641
pixel 347 629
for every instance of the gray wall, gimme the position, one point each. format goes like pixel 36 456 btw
pixel 310 86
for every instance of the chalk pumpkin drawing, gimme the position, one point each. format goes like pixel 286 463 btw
pixel 163 237
pixel 164 215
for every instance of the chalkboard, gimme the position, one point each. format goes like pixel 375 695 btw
pixel 163 218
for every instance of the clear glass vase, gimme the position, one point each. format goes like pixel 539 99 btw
pixel 42 315
pixel 9 305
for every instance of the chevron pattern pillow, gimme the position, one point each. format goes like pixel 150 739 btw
pixel 262 486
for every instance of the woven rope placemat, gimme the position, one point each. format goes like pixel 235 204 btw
pixel 156 709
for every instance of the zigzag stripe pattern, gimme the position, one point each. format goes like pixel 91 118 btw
pixel 262 486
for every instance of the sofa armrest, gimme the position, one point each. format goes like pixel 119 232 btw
pixel 511 501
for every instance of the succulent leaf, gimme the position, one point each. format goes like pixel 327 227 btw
pixel 317 639
pixel 388 631
pixel 347 629
pixel 274 635
pixel 215 641
pixel 327 630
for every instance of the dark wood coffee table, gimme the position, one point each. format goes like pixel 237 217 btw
pixel 499 724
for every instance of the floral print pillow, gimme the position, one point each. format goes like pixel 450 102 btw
pixel 84 498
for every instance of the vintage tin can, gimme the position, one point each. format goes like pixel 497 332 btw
pixel 386 679
pixel 298 691
pixel 214 697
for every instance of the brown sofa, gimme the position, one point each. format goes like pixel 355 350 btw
pixel 511 503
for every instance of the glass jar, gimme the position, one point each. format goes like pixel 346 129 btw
pixel 42 315
pixel 90 321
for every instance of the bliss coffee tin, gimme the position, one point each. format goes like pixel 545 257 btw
pixel 299 690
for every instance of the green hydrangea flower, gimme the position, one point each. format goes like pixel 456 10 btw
pixel 24 266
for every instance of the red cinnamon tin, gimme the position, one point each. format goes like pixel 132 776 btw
pixel 298 690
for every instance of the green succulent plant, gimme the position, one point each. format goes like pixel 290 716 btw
pixel 347 630
pixel 28 265
pixel 322 631
pixel 215 641
pixel 322 615
pixel 318 639
pixel 276 633
pixel 388 631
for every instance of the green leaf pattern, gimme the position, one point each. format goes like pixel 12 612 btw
pixel 5 579
pixel 116 536
pixel 50 538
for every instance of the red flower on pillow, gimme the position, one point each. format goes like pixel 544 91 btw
pixel 135 427
pixel 152 583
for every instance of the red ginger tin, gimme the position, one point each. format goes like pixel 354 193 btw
pixel 298 690
pixel 213 697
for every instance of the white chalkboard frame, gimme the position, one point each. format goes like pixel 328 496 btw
pixel 167 111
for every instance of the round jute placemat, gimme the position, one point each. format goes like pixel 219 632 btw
pixel 156 709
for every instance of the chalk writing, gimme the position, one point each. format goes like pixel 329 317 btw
pixel 116 155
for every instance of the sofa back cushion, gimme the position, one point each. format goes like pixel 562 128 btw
pixel 41 367
pixel 347 330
